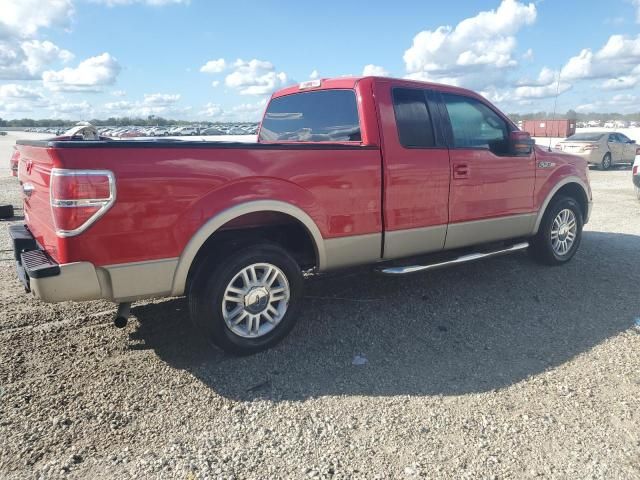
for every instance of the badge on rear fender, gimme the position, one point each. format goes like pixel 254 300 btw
pixel 546 164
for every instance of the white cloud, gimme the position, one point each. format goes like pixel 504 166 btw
pixel 619 56
pixel 23 18
pixel 212 110
pixel 21 98
pixel 314 75
pixel 160 99
pixel 472 53
pixel 215 83
pixel 528 55
pixel 151 104
pixel 27 59
pixel 374 70
pixel 622 83
pixel 90 75
pixel 255 77
pixel 620 102
pixel 119 93
pixel 214 66
pixel 541 91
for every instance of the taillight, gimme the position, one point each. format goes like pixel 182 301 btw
pixel 13 162
pixel 587 148
pixel 558 146
pixel 638 151
pixel 79 198
pixel 635 169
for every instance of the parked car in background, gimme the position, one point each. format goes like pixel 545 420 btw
pixel 635 173
pixel 610 124
pixel 159 131
pixel 212 131
pixel 346 172
pixel 603 149
pixel 2 133
pixel 189 130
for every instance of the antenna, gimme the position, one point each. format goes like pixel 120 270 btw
pixel 555 104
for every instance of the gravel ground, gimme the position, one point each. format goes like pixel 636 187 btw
pixel 497 369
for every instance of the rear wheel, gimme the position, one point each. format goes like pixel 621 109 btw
pixel 606 162
pixel 245 302
pixel 560 233
pixel 637 193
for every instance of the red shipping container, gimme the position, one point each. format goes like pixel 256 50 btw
pixel 550 128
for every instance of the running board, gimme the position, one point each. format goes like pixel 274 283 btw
pixel 463 259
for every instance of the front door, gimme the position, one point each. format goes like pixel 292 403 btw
pixel 628 148
pixel 491 196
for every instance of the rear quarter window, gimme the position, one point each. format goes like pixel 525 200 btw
pixel 320 116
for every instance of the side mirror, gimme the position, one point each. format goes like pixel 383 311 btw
pixel 632 141
pixel 520 144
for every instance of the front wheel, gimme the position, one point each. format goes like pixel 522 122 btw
pixel 560 233
pixel 245 302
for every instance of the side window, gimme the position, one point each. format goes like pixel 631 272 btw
pixel 316 116
pixel 474 125
pixel 622 138
pixel 612 138
pixel 412 118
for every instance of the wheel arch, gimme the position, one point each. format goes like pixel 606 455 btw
pixel 572 187
pixel 214 225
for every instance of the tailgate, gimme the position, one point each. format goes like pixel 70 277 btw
pixel 34 173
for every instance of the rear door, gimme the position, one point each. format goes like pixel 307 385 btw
pixel 416 170
pixel 491 195
pixel 616 147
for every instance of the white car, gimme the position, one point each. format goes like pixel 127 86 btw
pixel 636 173
pixel 185 131
pixel 160 131
pixel 601 148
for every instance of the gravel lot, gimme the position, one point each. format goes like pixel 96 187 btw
pixel 502 368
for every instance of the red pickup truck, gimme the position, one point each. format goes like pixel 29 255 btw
pixel 345 172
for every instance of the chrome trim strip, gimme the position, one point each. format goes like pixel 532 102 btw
pixel 104 203
pixel 463 259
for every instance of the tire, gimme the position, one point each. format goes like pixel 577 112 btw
pixel 606 162
pixel 550 251
pixel 6 211
pixel 637 192
pixel 209 294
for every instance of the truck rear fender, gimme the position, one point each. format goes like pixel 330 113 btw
pixel 234 212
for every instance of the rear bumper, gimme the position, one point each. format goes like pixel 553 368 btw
pixel 81 281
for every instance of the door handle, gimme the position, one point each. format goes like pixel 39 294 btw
pixel 460 170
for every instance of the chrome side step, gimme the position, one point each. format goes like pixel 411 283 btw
pixel 463 259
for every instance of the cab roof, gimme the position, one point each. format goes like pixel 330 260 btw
pixel 351 82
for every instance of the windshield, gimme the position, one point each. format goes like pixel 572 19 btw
pixel 586 137
pixel 320 116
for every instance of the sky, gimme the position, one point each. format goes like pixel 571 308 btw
pixel 219 61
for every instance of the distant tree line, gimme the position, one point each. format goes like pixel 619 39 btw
pixel 151 121
pixel 573 115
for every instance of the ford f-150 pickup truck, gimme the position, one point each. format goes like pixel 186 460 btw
pixel 345 172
